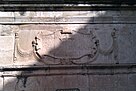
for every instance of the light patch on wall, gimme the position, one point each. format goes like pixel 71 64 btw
pixel 5 80
pixel 6 14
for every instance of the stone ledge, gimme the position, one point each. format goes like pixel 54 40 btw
pixel 34 20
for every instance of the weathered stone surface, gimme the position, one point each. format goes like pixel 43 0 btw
pixel 70 45
pixel 1 84
pixel 6 14
pixel 102 81
pixel 6 30
pixel 10 84
pixel 6 49
pixel 43 83
pixel 132 80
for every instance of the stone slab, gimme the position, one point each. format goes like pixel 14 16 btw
pixel 6 49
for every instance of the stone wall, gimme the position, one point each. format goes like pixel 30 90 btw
pixel 68 38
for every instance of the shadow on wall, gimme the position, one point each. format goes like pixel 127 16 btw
pixel 71 45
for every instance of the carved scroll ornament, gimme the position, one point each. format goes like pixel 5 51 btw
pixel 89 55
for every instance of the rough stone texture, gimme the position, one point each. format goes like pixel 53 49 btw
pixel 52 42
pixel 10 84
pixel 1 84
pixel 6 49
pixel 65 45
pixel 84 83
pixel 46 83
